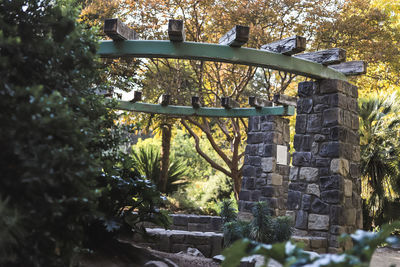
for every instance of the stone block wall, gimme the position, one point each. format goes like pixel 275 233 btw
pixel 266 164
pixel 173 241
pixel 324 187
pixel 192 222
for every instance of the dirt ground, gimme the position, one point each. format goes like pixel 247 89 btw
pixel 383 257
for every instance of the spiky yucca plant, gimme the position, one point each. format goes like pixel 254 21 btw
pixel 147 162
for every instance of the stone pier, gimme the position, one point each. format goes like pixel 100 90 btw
pixel 266 164
pixel 324 186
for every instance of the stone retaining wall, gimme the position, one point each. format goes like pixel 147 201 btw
pixel 173 241
pixel 192 222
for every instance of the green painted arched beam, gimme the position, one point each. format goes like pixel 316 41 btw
pixel 220 53
pixel 205 111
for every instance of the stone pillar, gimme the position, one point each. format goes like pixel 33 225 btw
pixel 324 186
pixel 266 164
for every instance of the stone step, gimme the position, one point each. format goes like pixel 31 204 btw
pixel 312 243
pixel 192 222
pixel 174 241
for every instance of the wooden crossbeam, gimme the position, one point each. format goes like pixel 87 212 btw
pixel 288 46
pixel 196 102
pixel 259 103
pixel 351 68
pixel 137 96
pixel 176 30
pixel 118 31
pixel 164 100
pixel 285 100
pixel 325 57
pixel 228 102
pixel 205 112
pixel 236 37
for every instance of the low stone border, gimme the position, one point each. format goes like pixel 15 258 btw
pixel 173 241
pixel 191 222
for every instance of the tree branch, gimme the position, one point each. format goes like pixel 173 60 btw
pixel 206 129
pixel 202 154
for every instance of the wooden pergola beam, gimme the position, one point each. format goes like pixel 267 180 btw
pixel 325 57
pixel 228 102
pixel 236 37
pixel 137 96
pixel 285 100
pixel 259 103
pixel 351 68
pixel 176 30
pixel 182 111
pixel 288 46
pixel 118 31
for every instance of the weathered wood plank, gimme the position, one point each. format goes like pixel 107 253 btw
pixel 236 37
pixel 288 46
pixel 176 30
pixel 164 100
pixel 325 57
pixel 196 102
pixel 351 68
pixel 285 100
pixel 228 102
pixel 204 111
pixel 137 96
pixel 118 31
pixel 259 103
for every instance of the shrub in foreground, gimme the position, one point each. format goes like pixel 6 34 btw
pixel 290 254
pixel 263 228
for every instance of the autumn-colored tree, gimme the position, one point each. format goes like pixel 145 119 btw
pixel 369 31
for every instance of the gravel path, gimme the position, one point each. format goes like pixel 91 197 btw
pixel 384 257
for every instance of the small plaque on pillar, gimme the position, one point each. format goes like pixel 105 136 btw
pixel 281 155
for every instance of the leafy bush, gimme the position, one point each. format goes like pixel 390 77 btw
pixel 289 254
pixel 11 231
pixel 64 180
pixel 263 228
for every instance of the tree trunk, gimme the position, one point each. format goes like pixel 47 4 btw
pixel 166 133
pixel 237 182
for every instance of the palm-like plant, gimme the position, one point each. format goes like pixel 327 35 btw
pixel 380 152
pixel 147 162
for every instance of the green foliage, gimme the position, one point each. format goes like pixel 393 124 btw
pixel 262 224
pixel 236 230
pixel 263 227
pixel 11 231
pixel 146 160
pixel 62 174
pixel 289 254
pixel 380 153
pixel 184 147
pixel 282 228
pixel 205 186
pixel 228 212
